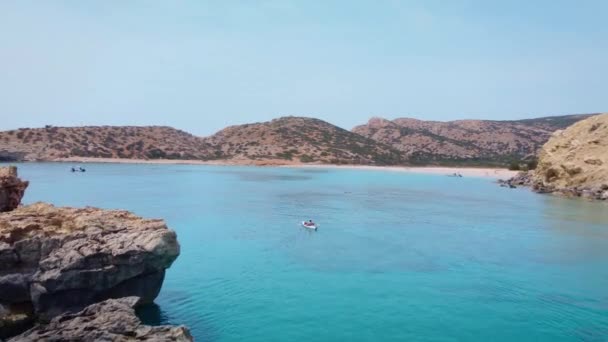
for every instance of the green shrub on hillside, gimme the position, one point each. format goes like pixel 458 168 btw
pixel 288 155
pixel 514 166
pixel 532 164
pixel 306 158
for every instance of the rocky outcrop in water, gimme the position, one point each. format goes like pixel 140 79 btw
pixel 110 320
pixel 523 178
pixel 574 162
pixel 12 188
pixel 55 260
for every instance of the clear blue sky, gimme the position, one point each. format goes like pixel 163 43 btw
pixel 202 65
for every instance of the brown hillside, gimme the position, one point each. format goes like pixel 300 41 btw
pixel 290 140
pixel 300 139
pixel 465 141
pixel 51 143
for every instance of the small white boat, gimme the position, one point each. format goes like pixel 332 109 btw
pixel 309 226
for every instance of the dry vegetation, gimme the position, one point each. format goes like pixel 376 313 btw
pixel 465 141
pixel 298 139
pixel 52 143
pixel 293 140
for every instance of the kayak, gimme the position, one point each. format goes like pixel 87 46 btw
pixel 314 226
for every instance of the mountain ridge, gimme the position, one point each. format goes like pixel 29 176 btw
pixel 297 139
pixel 284 140
pixel 472 141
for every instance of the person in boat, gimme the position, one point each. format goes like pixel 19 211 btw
pixel 309 223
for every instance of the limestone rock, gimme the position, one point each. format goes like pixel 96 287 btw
pixel 576 158
pixel 110 320
pixel 54 260
pixel 12 188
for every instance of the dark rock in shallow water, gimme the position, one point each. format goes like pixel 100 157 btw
pixel 56 260
pixel 588 194
pixel 12 188
pixel 523 178
pixel 542 189
pixel 527 179
pixel 110 320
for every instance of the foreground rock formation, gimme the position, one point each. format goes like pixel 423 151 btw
pixel 12 188
pixel 110 320
pixel 56 260
pixel 576 156
pixel 574 162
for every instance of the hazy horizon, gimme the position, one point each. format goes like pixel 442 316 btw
pixel 201 66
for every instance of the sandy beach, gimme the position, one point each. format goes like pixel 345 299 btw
pixel 440 170
pixel 495 173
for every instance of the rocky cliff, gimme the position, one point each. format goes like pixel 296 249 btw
pixel 110 320
pixel 54 260
pixel 575 160
pixel 12 188
pixel 465 141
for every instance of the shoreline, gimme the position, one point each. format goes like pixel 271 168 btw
pixel 484 172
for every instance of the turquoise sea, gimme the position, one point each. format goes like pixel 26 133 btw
pixel 397 257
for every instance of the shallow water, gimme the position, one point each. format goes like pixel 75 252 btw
pixel 397 256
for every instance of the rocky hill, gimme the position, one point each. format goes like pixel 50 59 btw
pixel 299 139
pixel 151 142
pixel 280 141
pixel 465 141
pixel 293 140
pixel 576 159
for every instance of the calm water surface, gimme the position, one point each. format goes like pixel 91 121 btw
pixel 397 256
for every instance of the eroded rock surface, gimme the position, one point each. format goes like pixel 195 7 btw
pixel 55 260
pixel 575 161
pixel 110 320
pixel 12 188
